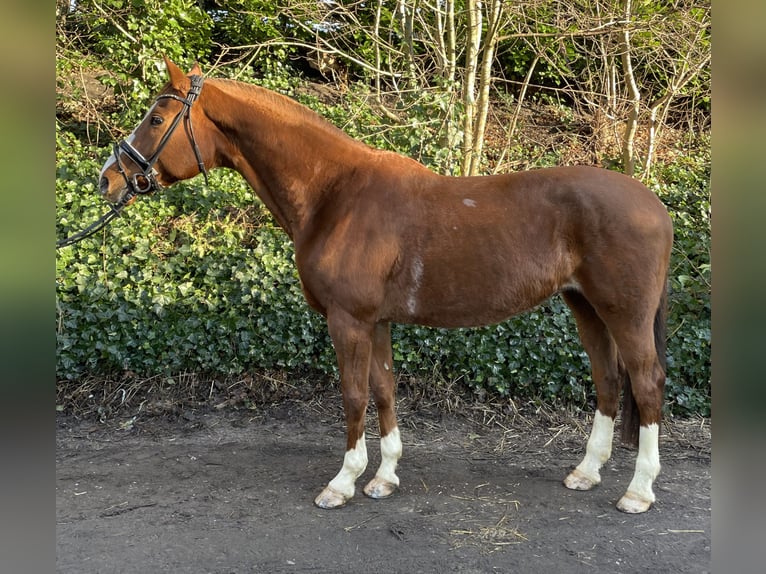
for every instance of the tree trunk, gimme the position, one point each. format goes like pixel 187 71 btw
pixel 473 43
pixel 494 13
pixel 407 15
pixel 631 125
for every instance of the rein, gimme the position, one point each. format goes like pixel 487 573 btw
pixel 145 181
pixel 116 211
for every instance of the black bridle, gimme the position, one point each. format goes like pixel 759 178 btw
pixel 145 181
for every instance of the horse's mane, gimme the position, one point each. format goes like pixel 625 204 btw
pixel 280 105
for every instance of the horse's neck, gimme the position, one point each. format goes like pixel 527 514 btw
pixel 290 161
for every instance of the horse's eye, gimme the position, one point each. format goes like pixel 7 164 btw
pixel 157 120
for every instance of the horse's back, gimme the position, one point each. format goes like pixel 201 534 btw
pixel 586 186
pixel 583 205
pixel 572 203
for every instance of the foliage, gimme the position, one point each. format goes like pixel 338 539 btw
pixel 534 356
pixel 685 190
pixel 418 137
pixel 127 39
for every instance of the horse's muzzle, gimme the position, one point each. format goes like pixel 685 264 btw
pixel 114 194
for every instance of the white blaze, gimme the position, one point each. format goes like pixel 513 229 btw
pixel 111 161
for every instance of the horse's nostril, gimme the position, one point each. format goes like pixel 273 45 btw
pixel 104 185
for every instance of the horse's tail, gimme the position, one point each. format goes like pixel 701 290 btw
pixel 630 416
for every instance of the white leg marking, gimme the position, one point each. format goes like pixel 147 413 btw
pixel 597 452
pixel 640 496
pixel 341 488
pixel 354 464
pixel 391 452
pixel 386 482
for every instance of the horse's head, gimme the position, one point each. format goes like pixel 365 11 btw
pixel 163 148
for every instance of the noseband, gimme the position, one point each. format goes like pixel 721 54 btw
pixel 146 180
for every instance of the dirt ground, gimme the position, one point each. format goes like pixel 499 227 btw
pixel 231 490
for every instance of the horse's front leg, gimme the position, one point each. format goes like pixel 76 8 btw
pixel 383 385
pixel 352 340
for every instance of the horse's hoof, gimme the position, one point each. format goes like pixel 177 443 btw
pixel 632 503
pixel 330 498
pixel 577 480
pixel 379 488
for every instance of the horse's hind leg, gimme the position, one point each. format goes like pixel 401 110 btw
pixel 638 329
pixel 647 381
pixel 385 481
pixel 607 373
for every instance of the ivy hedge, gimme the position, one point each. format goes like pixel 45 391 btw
pixel 200 279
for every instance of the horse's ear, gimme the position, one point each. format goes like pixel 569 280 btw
pixel 195 71
pixel 177 77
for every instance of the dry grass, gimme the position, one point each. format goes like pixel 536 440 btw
pixel 421 404
pixel 105 398
pixel 488 537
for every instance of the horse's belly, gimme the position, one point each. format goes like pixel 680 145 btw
pixel 470 303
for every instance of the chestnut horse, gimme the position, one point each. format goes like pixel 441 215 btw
pixel 379 239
